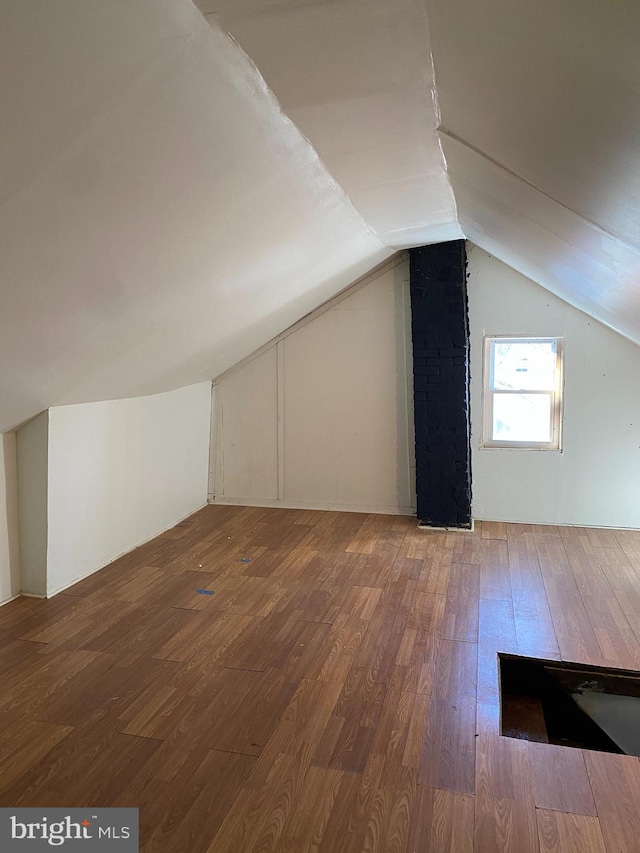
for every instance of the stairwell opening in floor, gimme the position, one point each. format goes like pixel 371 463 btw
pixel 570 704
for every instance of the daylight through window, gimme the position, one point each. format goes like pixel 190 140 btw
pixel 522 392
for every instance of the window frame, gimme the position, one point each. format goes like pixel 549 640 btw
pixel 556 395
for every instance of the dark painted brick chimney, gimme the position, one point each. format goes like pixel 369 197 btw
pixel 440 327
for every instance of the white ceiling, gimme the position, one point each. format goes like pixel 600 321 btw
pixel 540 126
pixel 356 77
pixel 178 186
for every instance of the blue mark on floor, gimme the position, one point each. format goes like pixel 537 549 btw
pixel 205 591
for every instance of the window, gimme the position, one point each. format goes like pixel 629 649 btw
pixel 522 392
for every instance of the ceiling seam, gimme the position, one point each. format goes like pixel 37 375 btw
pixel 448 134
pixel 435 98
pixel 275 101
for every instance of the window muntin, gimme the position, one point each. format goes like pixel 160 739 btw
pixel 522 392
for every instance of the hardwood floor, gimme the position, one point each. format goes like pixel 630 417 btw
pixel 337 692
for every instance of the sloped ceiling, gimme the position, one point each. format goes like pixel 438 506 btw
pixel 356 76
pixel 540 125
pixel 178 185
pixel 160 216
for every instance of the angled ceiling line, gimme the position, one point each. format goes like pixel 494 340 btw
pixel 357 79
pixel 286 118
pixel 436 105
pixel 360 283
pixel 448 134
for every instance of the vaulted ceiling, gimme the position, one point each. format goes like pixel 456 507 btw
pixel 180 184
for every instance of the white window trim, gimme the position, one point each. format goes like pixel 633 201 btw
pixel 556 397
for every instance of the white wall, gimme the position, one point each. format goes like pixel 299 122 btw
pixel 9 550
pixel 323 417
pixel 98 479
pixel 248 401
pixel 121 472
pixel 32 456
pixel 595 480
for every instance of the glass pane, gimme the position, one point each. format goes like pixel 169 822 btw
pixel 524 365
pixel 521 417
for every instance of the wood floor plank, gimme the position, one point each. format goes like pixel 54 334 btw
pixel 302 730
pixel 467 547
pixel 257 818
pixel 535 630
pixel 503 766
pixel 630 546
pixel 566 833
pixel 615 781
pixel 560 779
pixel 207 637
pixel 83 621
pixel 415 662
pixel 358 710
pixel 390 818
pixel 442 822
pixel 496 634
pixel 353 809
pixel 106 685
pixel 30 689
pixel 245 725
pixel 284 536
pixel 24 743
pixel 576 638
pixel 140 634
pixel 611 626
pixel 90 765
pixel 460 620
pixel 190 820
pixel 418 544
pixel 509 828
pixel 368 680
pixel 495 580
pixel 236 712
pixel 448 752
pixel 307 822
pixel 19 654
pixel 247 595
pixel 494 530
pixel 354 569
pixel 330 535
pixel 22 615
pixel 505 815
pixel 270 642
pixel 455 671
pixel 334 660
pixel 435 577
pixel 602 538
pixel 623 574
pixel 148 583
pixel 364 541
pixel 400 732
